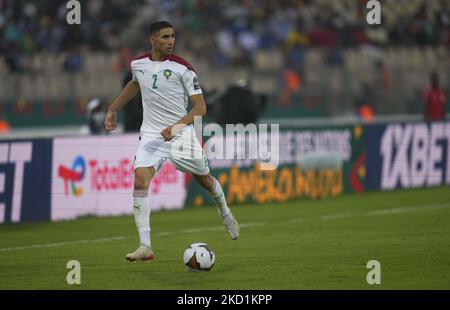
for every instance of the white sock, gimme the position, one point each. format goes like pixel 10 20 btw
pixel 219 198
pixel 142 216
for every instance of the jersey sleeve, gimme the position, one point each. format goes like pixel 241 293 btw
pixel 134 66
pixel 133 72
pixel 191 83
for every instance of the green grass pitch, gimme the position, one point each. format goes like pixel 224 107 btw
pixel 301 244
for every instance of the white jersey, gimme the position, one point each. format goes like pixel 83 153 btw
pixel 165 88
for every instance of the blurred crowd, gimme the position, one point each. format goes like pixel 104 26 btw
pixel 223 32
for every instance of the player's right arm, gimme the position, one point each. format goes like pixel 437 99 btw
pixel 129 92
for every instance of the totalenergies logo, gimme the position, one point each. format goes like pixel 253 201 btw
pixel 73 175
pixel 108 176
pixel 102 175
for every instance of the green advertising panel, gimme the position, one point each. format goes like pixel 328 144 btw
pixel 244 180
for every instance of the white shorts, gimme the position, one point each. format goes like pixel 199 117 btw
pixel 184 151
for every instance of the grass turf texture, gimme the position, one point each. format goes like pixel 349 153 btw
pixel 295 245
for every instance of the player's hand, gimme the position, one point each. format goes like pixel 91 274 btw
pixel 172 131
pixel 110 120
pixel 167 133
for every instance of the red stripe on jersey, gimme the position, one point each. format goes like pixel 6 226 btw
pixel 180 60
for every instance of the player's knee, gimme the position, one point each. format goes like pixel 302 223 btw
pixel 206 182
pixel 140 183
pixel 142 178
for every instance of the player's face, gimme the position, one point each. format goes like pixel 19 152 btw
pixel 164 40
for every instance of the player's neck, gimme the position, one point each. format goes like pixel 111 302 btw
pixel 157 56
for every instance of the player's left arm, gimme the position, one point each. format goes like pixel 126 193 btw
pixel 192 85
pixel 198 109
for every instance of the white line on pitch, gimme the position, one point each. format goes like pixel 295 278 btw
pixel 371 213
pixel 203 229
pixel 252 224
pixel 50 245
pixel 160 234
pixel 406 209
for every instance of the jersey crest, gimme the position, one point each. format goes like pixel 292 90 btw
pixel 167 73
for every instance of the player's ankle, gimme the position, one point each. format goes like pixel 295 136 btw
pixel 224 211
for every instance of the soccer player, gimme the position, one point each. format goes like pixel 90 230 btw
pixel 165 81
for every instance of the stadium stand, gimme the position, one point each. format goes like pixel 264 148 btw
pixel 337 58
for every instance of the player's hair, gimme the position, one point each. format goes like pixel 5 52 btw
pixel 158 25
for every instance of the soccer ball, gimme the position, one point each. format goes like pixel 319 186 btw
pixel 199 257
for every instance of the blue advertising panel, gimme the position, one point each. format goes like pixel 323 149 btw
pixel 25 180
pixel 409 155
pixel 373 157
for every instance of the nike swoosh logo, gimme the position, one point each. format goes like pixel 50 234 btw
pixel 137 207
